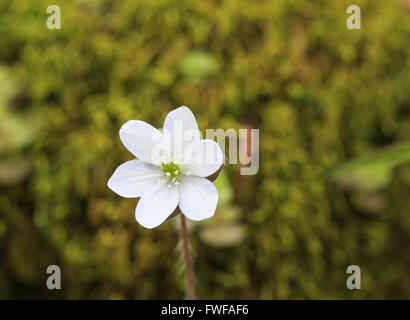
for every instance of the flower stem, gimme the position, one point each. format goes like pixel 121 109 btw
pixel 187 259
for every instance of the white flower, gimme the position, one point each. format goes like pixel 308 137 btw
pixel 170 169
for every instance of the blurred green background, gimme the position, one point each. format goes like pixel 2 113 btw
pixel 332 106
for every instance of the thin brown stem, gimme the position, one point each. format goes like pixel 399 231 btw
pixel 187 259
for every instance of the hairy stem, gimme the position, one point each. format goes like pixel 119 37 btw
pixel 187 259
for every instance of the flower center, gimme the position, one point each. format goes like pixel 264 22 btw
pixel 171 170
pixel 171 173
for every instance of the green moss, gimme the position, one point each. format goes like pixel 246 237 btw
pixel 321 95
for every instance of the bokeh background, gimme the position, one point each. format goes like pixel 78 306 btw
pixel 332 106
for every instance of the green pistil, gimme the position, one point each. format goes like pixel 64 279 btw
pixel 171 170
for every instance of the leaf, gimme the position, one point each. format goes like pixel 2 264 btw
pixel 223 235
pixel 14 172
pixel 198 65
pixel 371 172
pixel 224 188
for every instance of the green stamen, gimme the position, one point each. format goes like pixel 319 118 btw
pixel 171 170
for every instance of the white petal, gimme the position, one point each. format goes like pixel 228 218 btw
pixel 203 159
pixel 180 124
pixel 132 178
pixel 140 138
pixel 197 197
pixel 156 204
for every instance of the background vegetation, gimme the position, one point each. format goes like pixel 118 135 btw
pixel 332 106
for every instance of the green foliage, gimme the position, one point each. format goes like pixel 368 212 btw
pixel 198 65
pixel 372 172
pixel 320 94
